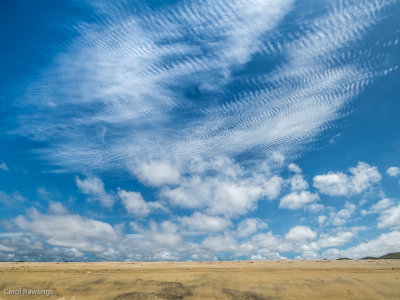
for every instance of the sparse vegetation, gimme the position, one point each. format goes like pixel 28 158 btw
pixel 285 279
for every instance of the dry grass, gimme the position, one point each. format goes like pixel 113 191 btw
pixel 207 280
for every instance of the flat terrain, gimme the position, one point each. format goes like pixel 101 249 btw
pixel 367 279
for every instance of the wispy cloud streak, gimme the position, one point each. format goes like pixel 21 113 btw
pixel 174 83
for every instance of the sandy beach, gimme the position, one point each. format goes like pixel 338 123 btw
pixel 367 279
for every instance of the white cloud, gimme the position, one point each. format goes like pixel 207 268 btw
pixel 385 243
pixel 339 239
pixel 202 222
pixel 272 187
pixel 390 218
pixel 220 243
pixel 294 168
pixel 297 200
pixel 363 176
pixel 159 237
pixel 167 240
pixel 10 199
pixel 57 208
pixel 381 205
pixel 333 184
pixel 166 256
pixel 315 207
pixel 342 216
pixel 297 183
pixel 265 255
pixel 4 167
pixel 166 234
pixel 277 157
pixel 189 195
pixel 340 184
pixel 23 247
pixel 134 81
pixel 322 219
pixel 235 198
pixel 66 230
pixel 305 243
pixel 43 193
pixel 157 173
pixel 267 242
pixel 357 229
pixel 136 205
pixel 222 189
pixel 393 171
pixel 250 226
pixel 94 187
pixel 300 234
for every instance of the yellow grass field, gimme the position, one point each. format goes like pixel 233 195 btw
pixel 366 279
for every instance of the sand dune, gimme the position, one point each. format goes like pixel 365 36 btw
pixel 203 280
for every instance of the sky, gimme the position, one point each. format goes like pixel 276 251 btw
pixel 199 130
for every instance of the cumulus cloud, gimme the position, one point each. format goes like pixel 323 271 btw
pixel 43 193
pixel 205 223
pixel 77 236
pixel 383 244
pixel 294 168
pixel 250 226
pixel 222 189
pixel 363 177
pixel 66 230
pixel 297 183
pixel 57 208
pixel 315 207
pixel 339 239
pixel 390 218
pixel 23 247
pixel 157 173
pixel 309 248
pixel 301 234
pixel 257 246
pixel 340 184
pixel 231 198
pixel 332 183
pixel 13 198
pixel 161 236
pixel 296 200
pixel 381 205
pixel 93 185
pixel 267 243
pixel 342 216
pixel 322 219
pixel 393 171
pixel 136 205
pixel 245 241
pixel 220 244
pixel 94 188
pixel 4 167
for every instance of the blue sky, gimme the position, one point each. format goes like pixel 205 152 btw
pixel 199 130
